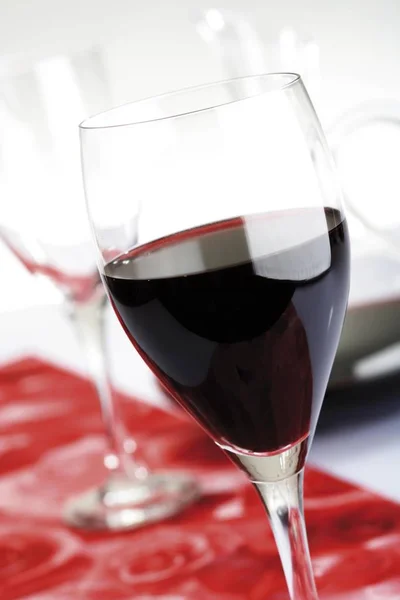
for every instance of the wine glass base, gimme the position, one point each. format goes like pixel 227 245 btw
pixel 123 504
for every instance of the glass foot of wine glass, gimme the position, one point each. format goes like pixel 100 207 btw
pixel 123 503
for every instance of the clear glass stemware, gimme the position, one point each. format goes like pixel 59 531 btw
pixel 45 226
pixel 224 249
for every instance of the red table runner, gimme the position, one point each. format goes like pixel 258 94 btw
pixel 221 548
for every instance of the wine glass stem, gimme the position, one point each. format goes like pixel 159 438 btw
pixel 283 501
pixel 89 321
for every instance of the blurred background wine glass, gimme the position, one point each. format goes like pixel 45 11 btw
pixel 46 228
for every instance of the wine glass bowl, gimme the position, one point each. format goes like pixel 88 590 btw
pixel 235 288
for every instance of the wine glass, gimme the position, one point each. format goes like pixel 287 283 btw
pixel 45 225
pixel 235 287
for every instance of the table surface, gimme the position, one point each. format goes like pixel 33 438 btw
pixel 218 548
pixel 358 440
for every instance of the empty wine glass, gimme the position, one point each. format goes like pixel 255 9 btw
pixel 45 225
pixel 235 288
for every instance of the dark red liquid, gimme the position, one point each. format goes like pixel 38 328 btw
pixel 241 320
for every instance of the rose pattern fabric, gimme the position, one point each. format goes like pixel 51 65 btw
pixel 221 548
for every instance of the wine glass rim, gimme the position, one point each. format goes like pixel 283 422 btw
pixel 90 122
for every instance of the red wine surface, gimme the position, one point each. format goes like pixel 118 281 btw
pixel 241 320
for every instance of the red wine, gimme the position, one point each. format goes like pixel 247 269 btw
pixel 241 320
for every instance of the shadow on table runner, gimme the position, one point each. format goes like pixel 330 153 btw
pixel 51 447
